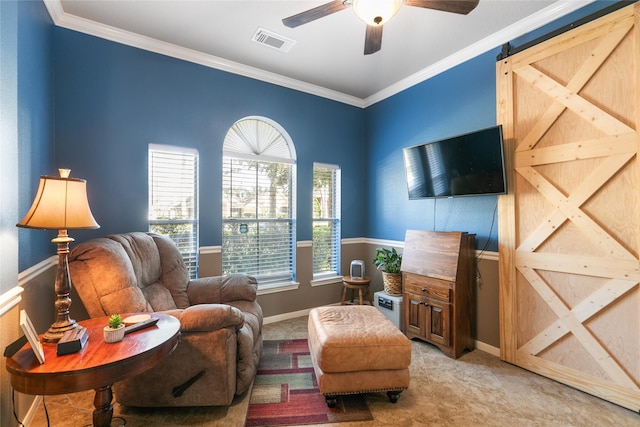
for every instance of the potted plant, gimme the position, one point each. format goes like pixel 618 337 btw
pixel 389 262
pixel 114 331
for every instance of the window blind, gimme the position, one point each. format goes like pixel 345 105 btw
pixel 258 232
pixel 173 199
pixel 326 220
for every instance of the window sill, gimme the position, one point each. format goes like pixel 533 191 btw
pixel 321 281
pixel 273 288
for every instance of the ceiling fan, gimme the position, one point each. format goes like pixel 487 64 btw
pixel 375 13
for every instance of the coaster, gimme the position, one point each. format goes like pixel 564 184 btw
pixel 132 320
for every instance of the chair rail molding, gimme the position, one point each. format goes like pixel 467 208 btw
pixel 10 299
pixel 63 19
pixel 24 277
pixel 210 250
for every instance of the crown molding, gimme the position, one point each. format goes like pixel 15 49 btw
pixel 557 10
pixel 62 19
pixel 520 28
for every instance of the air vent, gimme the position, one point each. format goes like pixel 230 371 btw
pixel 272 40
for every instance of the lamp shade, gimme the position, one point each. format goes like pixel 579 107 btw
pixel 376 12
pixel 60 203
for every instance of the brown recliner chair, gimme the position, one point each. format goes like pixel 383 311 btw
pixel 220 319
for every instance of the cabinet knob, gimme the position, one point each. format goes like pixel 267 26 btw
pixel 426 304
pixel 424 289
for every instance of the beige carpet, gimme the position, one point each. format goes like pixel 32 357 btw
pixel 475 390
pixel 74 410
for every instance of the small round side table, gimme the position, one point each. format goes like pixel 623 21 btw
pixel 356 284
pixel 97 366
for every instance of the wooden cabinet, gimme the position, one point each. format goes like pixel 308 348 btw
pixel 428 309
pixel 438 289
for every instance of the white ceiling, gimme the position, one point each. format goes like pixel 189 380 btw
pixel 327 59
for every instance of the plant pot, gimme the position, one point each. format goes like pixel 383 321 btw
pixel 113 335
pixel 392 283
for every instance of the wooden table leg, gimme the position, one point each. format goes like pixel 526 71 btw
pixel 104 409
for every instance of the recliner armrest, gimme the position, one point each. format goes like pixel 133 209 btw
pixel 208 317
pixel 222 289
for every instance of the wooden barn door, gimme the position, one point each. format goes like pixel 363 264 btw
pixel 570 225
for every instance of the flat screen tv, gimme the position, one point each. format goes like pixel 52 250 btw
pixel 465 165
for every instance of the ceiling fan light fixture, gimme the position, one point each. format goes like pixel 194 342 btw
pixel 376 12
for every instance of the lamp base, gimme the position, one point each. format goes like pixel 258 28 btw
pixel 62 286
pixel 57 330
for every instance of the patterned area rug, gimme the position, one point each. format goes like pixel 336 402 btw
pixel 285 391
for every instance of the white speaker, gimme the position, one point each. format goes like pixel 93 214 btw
pixel 357 269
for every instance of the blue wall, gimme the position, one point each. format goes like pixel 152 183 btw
pixel 114 100
pixel 111 101
pixel 35 122
pixel 460 100
pixel 8 147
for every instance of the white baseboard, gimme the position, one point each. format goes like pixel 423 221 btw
pixel 288 316
pixel 487 348
pixel 31 413
pixel 494 351
pixel 267 320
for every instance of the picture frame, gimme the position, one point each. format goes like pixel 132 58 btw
pixel 32 336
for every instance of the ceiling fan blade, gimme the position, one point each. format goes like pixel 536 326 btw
pixel 462 7
pixel 373 39
pixel 313 14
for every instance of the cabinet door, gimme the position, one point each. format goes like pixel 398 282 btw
pixel 414 315
pixel 438 320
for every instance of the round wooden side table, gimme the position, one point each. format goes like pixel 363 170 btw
pixel 356 284
pixel 97 366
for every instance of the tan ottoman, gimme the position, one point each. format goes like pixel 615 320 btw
pixel 356 349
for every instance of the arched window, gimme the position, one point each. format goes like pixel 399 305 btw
pixel 258 206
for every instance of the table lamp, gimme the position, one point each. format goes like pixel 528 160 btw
pixel 60 204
